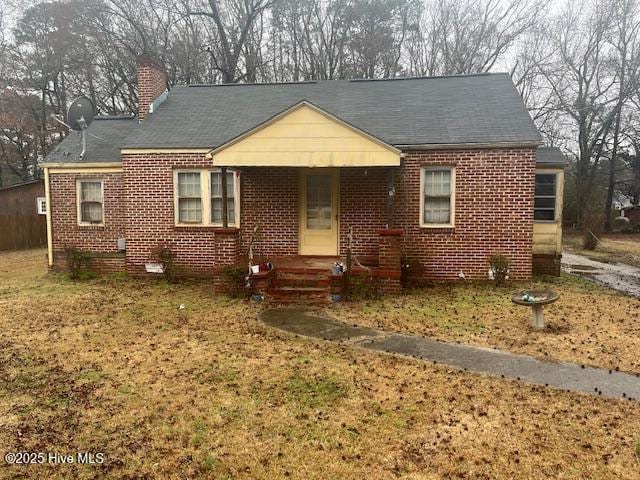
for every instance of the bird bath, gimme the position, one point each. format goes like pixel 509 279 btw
pixel 536 299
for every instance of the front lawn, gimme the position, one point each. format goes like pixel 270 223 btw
pixel 587 325
pixel 111 365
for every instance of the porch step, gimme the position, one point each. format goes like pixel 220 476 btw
pixel 291 290
pixel 312 282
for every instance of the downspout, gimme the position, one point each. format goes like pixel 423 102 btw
pixel 47 196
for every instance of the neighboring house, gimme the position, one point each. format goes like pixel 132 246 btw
pixel 623 206
pixel 22 216
pixel 439 172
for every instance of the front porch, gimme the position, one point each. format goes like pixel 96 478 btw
pixel 314 279
pixel 313 190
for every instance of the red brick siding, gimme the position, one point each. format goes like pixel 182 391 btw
pixel 65 228
pixel 363 206
pixel 270 200
pixel 150 214
pixel 493 212
pixel 152 81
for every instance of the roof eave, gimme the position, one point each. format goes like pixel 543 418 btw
pixel 454 146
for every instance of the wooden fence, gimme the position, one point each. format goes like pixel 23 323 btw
pixel 20 224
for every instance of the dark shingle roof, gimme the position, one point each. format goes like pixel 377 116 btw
pixel 550 156
pixel 483 108
pixel 111 132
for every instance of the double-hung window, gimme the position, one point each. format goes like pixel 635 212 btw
pixel 437 197
pixel 90 197
pixel 189 197
pixel 544 208
pixel 216 197
pixel 198 197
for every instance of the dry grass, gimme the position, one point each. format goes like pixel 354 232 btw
pixel 614 247
pixel 588 324
pixel 109 365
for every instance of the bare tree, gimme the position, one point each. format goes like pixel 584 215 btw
pixel 625 42
pixel 233 21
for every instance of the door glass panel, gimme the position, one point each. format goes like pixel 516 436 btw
pixel 319 202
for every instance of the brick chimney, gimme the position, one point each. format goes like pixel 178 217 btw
pixel 152 82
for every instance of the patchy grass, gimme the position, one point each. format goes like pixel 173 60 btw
pixel 588 324
pixel 614 247
pixel 108 365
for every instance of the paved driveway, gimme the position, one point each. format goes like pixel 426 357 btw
pixel 619 276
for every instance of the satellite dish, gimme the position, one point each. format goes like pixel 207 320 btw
pixel 80 113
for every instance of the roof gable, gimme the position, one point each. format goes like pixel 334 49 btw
pixel 305 135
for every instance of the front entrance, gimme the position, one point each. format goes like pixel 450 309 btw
pixel 318 211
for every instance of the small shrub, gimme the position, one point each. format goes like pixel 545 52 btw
pixel 499 265
pixel 234 276
pixel 77 263
pixel 165 256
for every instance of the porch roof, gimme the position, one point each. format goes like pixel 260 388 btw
pixel 305 136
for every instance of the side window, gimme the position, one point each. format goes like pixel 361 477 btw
pixel 90 202
pixel 189 197
pixel 437 196
pixel 545 197
pixel 216 197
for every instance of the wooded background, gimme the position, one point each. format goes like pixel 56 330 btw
pixel 576 64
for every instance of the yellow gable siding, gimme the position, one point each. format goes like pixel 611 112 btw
pixel 304 137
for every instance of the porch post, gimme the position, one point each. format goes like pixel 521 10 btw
pixel 390 196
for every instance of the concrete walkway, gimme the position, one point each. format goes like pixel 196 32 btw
pixel 619 276
pixel 566 376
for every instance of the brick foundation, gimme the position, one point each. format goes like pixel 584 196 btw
pixel 546 264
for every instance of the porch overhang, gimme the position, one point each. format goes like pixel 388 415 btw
pixel 305 136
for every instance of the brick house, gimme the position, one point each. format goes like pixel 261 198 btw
pixel 435 173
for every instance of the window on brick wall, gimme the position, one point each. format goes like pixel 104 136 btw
pixel 216 197
pixel 198 197
pixel 189 197
pixel 437 187
pixel 90 202
pixel 544 208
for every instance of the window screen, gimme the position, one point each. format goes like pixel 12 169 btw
pixel 216 198
pixel 545 197
pixel 91 206
pixel 437 196
pixel 189 197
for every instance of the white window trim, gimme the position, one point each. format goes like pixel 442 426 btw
pixel 558 195
pixel 79 197
pixel 205 198
pixel 452 223
pixel 41 205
